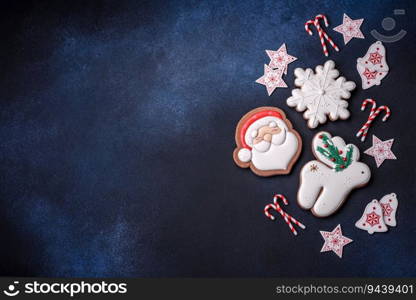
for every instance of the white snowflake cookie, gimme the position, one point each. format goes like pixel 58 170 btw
pixel 326 182
pixel 321 94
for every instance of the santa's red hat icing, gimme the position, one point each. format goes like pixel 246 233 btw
pixel 249 130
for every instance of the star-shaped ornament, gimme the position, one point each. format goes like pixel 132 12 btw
pixel 350 29
pixel 381 150
pixel 272 79
pixel 334 241
pixel 279 59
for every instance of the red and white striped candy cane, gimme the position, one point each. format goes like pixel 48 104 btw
pixel 266 211
pixel 322 34
pixel 388 112
pixel 292 219
pixel 308 30
pixel 373 109
pixel 288 218
pixel 323 17
pixel 325 35
pixel 373 114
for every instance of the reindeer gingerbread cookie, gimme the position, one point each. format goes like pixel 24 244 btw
pixel 266 142
pixel 326 182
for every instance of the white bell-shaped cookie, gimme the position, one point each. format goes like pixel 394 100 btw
pixel 372 219
pixel 389 204
pixel 373 67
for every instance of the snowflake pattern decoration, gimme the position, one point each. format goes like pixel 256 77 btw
pixel 381 150
pixel 375 58
pixel 369 75
pixel 272 79
pixel 314 168
pixel 350 28
pixel 373 219
pixel 334 241
pixel 321 94
pixel 387 209
pixel 279 59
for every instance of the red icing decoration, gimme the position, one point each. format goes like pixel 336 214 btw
pixel 254 118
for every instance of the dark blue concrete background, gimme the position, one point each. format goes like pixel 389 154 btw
pixel 117 128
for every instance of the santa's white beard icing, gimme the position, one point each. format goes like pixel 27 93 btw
pixel 266 142
pixel 278 155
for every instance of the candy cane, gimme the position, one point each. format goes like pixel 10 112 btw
pixel 266 211
pixel 322 34
pixel 286 214
pixel 321 16
pixel 388 112
pixel 307 26
pixel 373 114
pixel 288 218
pixel 373 109
pixel 330 40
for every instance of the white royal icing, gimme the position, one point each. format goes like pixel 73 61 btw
pixel 372 218
pixel 321 94
pixel 372 67
pixel 244 155
pixel 322 189
pixel 278 156
pixel 389 203
pixel 260 123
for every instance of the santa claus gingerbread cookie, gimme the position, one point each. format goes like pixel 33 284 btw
pixel 266 142
pixel 325 183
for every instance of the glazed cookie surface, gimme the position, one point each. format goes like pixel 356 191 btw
pixel 321 94
pixel 326 182
pixel 266 142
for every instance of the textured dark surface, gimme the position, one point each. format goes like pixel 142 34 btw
pixel 117 129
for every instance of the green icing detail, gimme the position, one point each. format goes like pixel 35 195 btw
pixel 331 152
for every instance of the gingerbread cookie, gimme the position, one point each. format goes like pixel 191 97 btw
pixel 325 183
pixel 266 142
pixel 321 94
